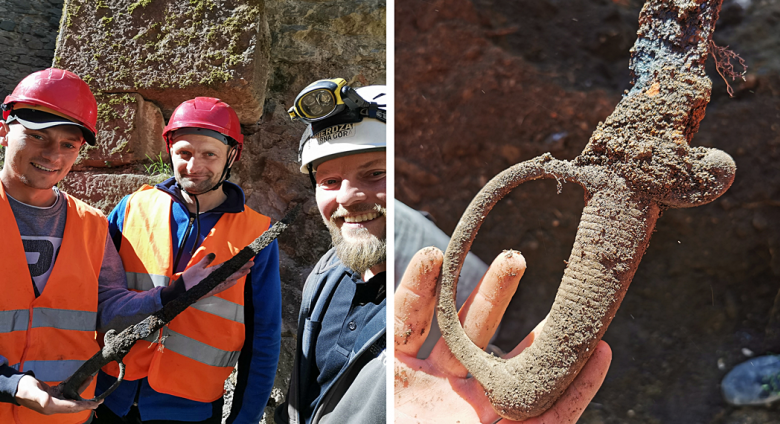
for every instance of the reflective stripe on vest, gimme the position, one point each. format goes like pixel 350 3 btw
pixel 14 320
pixel 143 282
pixel 64 319
pixel 194 353
pixel 53 334
pixel 221 307
pixel 53 370
pixel 199 351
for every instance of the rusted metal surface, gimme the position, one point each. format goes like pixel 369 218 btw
pixel 637 163
pixel 118 345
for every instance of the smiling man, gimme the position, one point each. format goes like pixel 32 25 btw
pixel 162 231
pixel 339 370
pixel 48 313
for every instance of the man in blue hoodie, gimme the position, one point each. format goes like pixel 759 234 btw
pixel 160 231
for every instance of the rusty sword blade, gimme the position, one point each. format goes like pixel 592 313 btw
pixel 118 345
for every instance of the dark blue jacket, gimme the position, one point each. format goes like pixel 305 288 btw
pixel 369 347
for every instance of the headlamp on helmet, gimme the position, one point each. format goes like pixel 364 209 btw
pixel 325 98
pixel 359 126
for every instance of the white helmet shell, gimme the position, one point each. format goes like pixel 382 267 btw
pixel 344 139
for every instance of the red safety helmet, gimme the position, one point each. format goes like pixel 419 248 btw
pixel 59 90
pixel 207 113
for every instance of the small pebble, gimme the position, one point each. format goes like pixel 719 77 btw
pixel 747 352
pixel 721 364
pixel 631 413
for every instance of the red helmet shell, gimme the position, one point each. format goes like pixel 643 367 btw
pixel 209 113
pixel 59 90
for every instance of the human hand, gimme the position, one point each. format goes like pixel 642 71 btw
pixel 438 389
pixel 196 273
pixel 47 400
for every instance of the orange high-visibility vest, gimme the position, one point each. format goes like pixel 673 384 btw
pixel 194 354
pixel 51 335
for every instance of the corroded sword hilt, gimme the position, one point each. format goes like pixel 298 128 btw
pixel 636 164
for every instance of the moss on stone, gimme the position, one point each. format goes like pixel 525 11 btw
pixel 108 106
pixel 119 147
pixel 140 45
pixel 216 76
pixel 84 152
pixel 158 37
pixel 71 8
pixel 139 3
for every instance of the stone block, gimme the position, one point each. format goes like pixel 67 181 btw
pixel 170 51
pixel 21 6
pixel 42 32
pixel 34 44
pixel 102 191
pixel 8 25
pixel 346 35
pixel 129 130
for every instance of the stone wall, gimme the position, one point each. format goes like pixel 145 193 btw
pixel 28 29
pixel 143 58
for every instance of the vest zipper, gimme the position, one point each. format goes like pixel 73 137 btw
pixel 181 245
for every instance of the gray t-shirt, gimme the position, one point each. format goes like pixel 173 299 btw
pixel 41 230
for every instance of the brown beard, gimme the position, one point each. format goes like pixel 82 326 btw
pixel 362 254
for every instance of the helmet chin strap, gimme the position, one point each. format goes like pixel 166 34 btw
pixel 225 175
pixel 311 176
pixel 226 170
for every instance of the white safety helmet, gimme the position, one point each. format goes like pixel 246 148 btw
pixel 348 132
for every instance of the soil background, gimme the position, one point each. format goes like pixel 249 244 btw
pixel 484 84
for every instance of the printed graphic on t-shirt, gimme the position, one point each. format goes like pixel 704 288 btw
pixel 41 253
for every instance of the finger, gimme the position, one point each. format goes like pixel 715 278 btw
pixel 571 405
pixel 207 260
pixel 64 406
pixel 485 307
pixel 415 299
pixel 484 310
pixel 247 266
pixel 242 272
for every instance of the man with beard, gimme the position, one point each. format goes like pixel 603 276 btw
pixel 339 370
pixel 179 375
